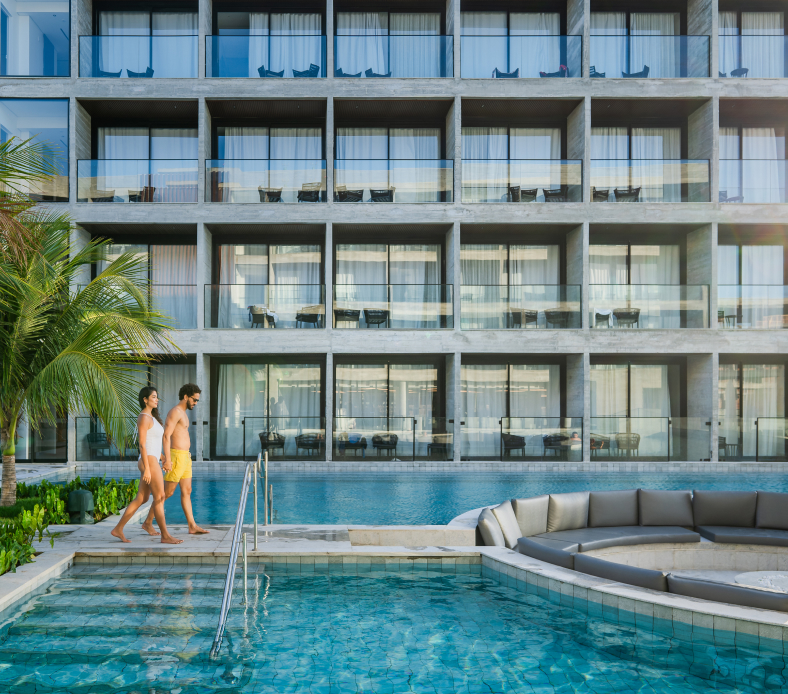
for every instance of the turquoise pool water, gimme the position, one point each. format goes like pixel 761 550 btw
pixel 144 630
pixel 409 499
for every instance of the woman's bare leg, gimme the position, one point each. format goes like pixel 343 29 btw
pixel 142 496
pixel 157 489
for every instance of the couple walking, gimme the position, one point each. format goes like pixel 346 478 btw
pixel 173 438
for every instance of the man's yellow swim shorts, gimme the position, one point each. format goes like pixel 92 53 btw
pixel 181 466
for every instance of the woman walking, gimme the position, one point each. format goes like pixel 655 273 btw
pixel 150 430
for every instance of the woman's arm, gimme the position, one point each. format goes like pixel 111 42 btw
pixel 143 425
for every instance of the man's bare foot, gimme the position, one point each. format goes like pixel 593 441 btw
pixel 148 528
pixel 197 530
pixel 170 540
pixel 119 534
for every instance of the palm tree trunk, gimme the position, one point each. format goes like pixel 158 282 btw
pixel 8 497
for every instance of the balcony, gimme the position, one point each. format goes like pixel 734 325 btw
pixel 659 439
pixel 648 306
pixel 752 306
pixel 265 56
pixel 93 444
pixel 762 439
pixel 394 56
pixel 392 438
pixel 526 438
pixel 137 180
pixel 394 306
pixel 284 438
pixel 753 180
pixel 485 57
pixel 522 180
pixel 265 180
pixel 520 307
pixel 642 57
pixel 138 56
pixel 753 56
pixel 650 180
pixel 393 180
pixel 264 306
pixel 177 302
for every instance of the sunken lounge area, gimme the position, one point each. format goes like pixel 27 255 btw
pixel 727 547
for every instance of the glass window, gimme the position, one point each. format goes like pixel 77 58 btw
pixel 34 38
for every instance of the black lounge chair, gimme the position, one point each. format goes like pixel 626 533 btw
pixel 497 74
pixel 512 442
pixel 147 73
pixel 723 74
pixel 104 73
pixel 555 444
pixel 345 195
pixel 724 197
pixel 562 72
pixel 310 314
pixel 269 73
pixel 385 442
pixel 310 192
pixel 600 194
pixel 310 443
pixel 311 72
pixel 270 441
pixel 740 72
pixel 594 73
pixel 101 196
pixel 270 195
pixel 144 195
pixel 517 194
pixel 98 445
pixel 347 315
pixel 369 73
pixel 376 316
pixel 643 73
pixel 558 195
pixel 338 73
pixel 627 194
pixel 439 446
pixel 517 316
pixel 385 195
pixel 556 317
pixel 627 317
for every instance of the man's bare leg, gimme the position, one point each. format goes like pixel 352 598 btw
pixel 169 490
pixel 186 502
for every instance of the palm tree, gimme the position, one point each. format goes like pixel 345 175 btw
pixel 64 347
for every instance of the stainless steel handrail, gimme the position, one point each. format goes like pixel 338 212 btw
pixel 230 579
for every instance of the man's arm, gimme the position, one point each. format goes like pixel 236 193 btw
pixel 169 427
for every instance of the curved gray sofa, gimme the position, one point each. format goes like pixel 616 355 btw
pixel 559 528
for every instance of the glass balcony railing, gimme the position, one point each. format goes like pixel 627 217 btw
pixel 752 306
pixel 393 180
pixel 394 306
pixel 393 438
pixel 527 438
pixel 650 180
pixel 522 180
pixel 502 307
pixel 520 56
pixel 53 190
pixel 753 180
pixel 265 180
pixel 265 56
pixel 394 56
pixel 284 438
pixel 649 306
pixel 137 180
pixel 138 56
pixel 262 306
pixel 762 439
pixel 650 438
pixel 178 302
pixel 92 442
pixel 753 56
pixel 644 57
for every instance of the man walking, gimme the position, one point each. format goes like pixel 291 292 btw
pixel 177 459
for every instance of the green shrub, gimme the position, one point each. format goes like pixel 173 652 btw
pixel 18 507
pixel 17 535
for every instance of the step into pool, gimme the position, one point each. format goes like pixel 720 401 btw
pixel 132 629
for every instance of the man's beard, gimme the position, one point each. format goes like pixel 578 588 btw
pixel 189 406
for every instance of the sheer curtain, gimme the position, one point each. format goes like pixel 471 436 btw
pixel 609 391
pixel 240 393
pixel 367 49
pixel 762 278
pixel 173 275
pixel 764 398
pixel 486 47
pixel 484 278
pixel 609 54
pixel 168 379
pixel 729 47
pixel 173 143
pixel 650 406
pixel 730 164
pixel 416 291
pixel 608 264
pixel 298 267
pixel 610 149
pixel 172 56
pixel 289 49
pixel 362 143
pixel 414 52
pixel 484 392
pixel 485 155
pixel 361 391
pixel 541 51
pixel 659 177
pixel 414 181
pixel 535 144
pixel 293 404
pixel 763 56
pixel 763 165
pixel 657 266
pixel 412 389
pixel 661 55
pixel 243 274
pixel 728 393
pixel 123 143
pixel 242 142
pixel 534 276
pixel 127 53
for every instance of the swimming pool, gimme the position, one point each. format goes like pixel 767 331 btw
pixel 146 630
pixel 422 498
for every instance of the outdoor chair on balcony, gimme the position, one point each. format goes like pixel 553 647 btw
pixel 599 443
pixel 98 445
pixel 310 315
pixel 339 73
pixel 347 315
pixel 270 441
pixel 555 444
pixel 600 194
pixel 369 73
pixel 627 443
pixel 602 318
pixel 311 443
pixel 562 72
pixel 147 73
pixel 627 194
pixel 311 72
pixel 643 73
pixel 270 194
pixel 740 72
pixel 351 442
pixel 376 316
pixel 260 314
pixel 385 442
pixel 440 446
pixel 497 74
pixel 724 197
pixel 104 73
pixel 627 317
pixel 512 442
pixel 556 318
pixel 310 192
pixel 594 73
pixel 269 73
pixel 515 317
pixel 101 196
pixel 557 195
pixel 144 195
pixel 384 195
pixel 345 195
pixel 516 194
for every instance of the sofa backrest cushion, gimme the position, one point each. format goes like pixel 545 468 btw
pixel 567 511
pixel 490 530
pixel 732 509
pixel 633 575
pixel 606 509
pixel 772 511
pixel 727 593
pixel 531 514
pixel 504 514
pixel 660 507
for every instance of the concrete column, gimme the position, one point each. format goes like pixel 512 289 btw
pixel 701 145
pixel 204 29
pixel 699 408
pixel 715 149
pixel 576 266
pixel 586 406
pixel 577 24
pixel 79 25
pixel 329 395
pixel 328 271
pixel 202 431
pixel 700 19
pixel 454 384
pixel 699 262
pixel 715 406
pixel 79 239
pixel 203 146
pixel 330 39
pixel 330 150
pixel 575 389
pixel 204 271
pixel 457 155
pixel 454 29
pixel 713 303
pixel 74 148
pixel 576 141
pixel 453 274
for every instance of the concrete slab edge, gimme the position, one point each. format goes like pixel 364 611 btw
pixel 19 585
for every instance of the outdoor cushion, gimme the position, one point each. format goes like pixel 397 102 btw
pixel 613 508
pixel 727 593
pixel 744 536
pixel 632 575
pixel 546 551
pixel 504 514
pixel 724 508
pixel 599 538
pixel 567 511
pixel 531 514
pixel 772 510
pixel 659 507
pixel 490 530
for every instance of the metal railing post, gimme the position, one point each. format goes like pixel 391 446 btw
pixel 265 490
pixel 245 574
pixel 256 468
pixel 756 441
pixel 271 501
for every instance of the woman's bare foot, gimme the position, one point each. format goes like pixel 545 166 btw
pixel 170 540
pixel 119 534
pixel 148 528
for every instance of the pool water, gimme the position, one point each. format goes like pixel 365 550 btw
pixel 422 498
pixel 150 630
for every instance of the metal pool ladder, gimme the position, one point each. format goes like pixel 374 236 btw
pixel 251 472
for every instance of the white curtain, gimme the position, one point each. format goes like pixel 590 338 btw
pixel 362 143
pixel 650 406
pixel 123 143
pixel 534 278
pixel 485 161
pixel 484 43
pixel 660 300
pixel 174 290
pixel 173 143
pixel 609 155
pixel 763 164
pixel 297 267
pixel 414 181
pixel 484 392
pixel 609 391
pixel 290 50
pixel 415 48
pixel 170 56
pixel 361 392
pixel 243 274
pixel 764 400
pixel 168 379
pixel 729 43
pixel 764 56
pixel 728 393
pixel 608 264
pixel 243 142
pixel 412 389
pixel 258 47
pixel 535 391
pixel 659 177
pixel 727 265
pixel 296 143
pixel 485 296
pixel 654 265
pixel 609 51
pixel 762 279
pixel 366 47
pixel 529 144
pixel 131 52
pixel 540 49
pixel 653 44
pixel 730 164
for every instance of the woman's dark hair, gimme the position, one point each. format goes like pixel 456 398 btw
pixel 145 393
